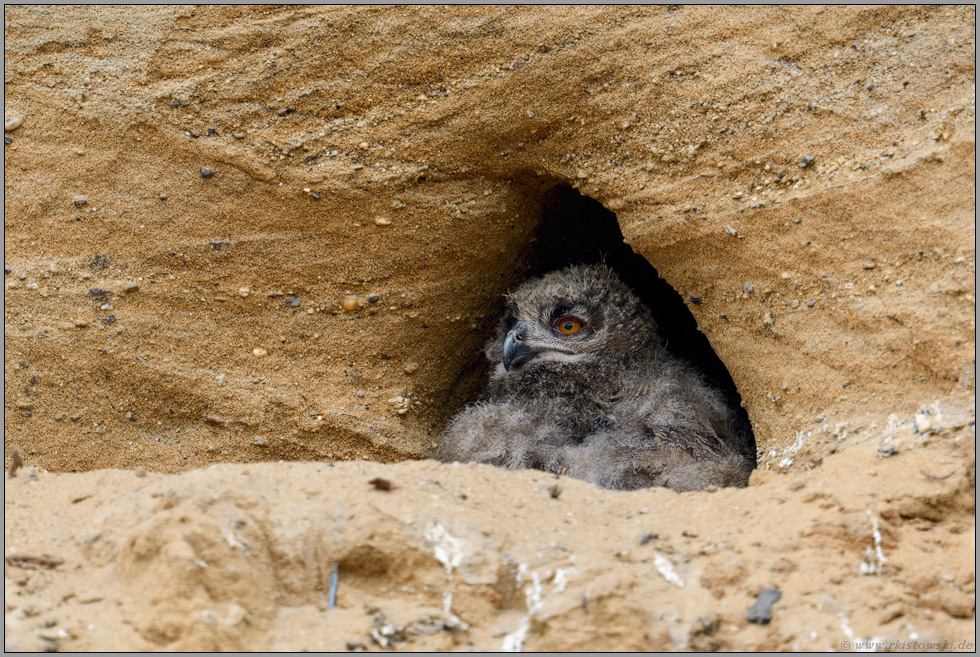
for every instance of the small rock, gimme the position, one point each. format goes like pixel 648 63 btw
pixel 731 231
pixel 7 140
pixel 139 472
pixel 244 291
pixel 885 452
pixel 81 324
pixel 129 416
pixel 794 304
pixel 206 173
pixel 769 319
pixel 807 161
pixel 410 367
pixel 163 197
pixel 259 352
pixel 285 110
pixel 260 442
pixel 761 611
pixel 922 423
pixel 383 221
pixel 80 202
pixel 871 265
pixel 292 301
pixel 25 406
pixel 12 123
pixel 397 205
pixel 131 287
pixel 400 404
pixel 373 298
pixel 220 380
pixel 350 303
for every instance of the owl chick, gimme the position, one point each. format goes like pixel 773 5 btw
pixel 582 386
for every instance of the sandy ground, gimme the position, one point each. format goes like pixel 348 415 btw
pixel 194 193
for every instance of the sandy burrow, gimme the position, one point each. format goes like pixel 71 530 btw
pixel 238 557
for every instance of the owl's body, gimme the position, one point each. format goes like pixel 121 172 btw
pixel 581 386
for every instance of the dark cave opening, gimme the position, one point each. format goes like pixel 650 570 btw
pixel 576 229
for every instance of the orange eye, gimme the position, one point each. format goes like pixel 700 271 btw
pixel 568 325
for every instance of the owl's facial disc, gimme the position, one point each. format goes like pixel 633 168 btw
pixel 551 341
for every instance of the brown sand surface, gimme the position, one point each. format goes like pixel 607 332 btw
pixel 238 240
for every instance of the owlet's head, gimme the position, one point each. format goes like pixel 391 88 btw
pixel 578 317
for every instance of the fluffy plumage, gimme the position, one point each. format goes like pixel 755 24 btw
pixel 582 386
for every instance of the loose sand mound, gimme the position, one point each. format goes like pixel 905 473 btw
pixel 246 234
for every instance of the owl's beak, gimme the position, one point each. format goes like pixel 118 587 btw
pixel 516 351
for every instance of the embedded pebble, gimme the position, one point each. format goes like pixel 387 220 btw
pixel 259 352
pixel 769 319
pixel 244 291
pixel 163 197
pixel 350 303
pixel 922 423
pixel 411 366
pixel 81 323
pixel 139 472
pixel 807 161
pixel 397 205
pixel 731 231
pixel 400 404
pixel 794 304
pixel 373 298
pixel 12 123
pixel 220 380
pixel 206 173
pixel 260 442
pixel 80 202
pixel 131 287
pixel 359 394
pixel 761 610
pixel 292 301
pixel 383 221
pixel 25 406
pixel 364 144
